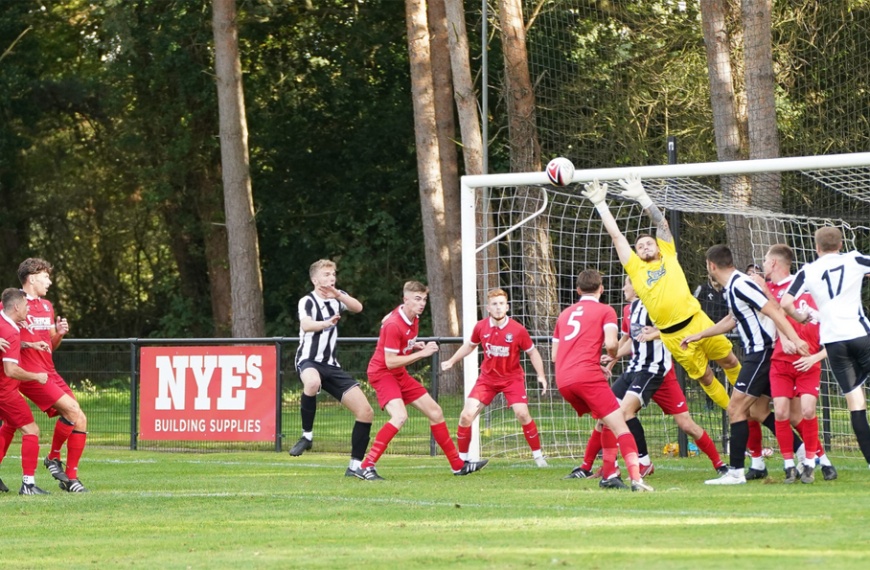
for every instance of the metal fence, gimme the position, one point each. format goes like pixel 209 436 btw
pixel 104 373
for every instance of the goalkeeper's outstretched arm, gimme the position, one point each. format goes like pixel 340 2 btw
pixel 597 194
pixel 634 189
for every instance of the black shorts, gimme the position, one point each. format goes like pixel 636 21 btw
pixel 644 384
pixel 333 379
pixel 850 362
pixel 754 377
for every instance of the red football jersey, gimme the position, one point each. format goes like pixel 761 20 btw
pixel 580 334
pixel 398 335
pixel 40 319
pixel 807 331
pixel 501 347
pixel 9 331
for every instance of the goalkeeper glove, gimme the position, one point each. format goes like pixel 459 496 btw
pixel 634 189
pixel 596 192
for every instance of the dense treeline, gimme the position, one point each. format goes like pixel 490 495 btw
pixel 111 163
pixel 110 157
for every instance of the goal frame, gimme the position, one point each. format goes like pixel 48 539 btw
pixel 470 184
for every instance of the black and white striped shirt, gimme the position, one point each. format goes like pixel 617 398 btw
pixel 834 281
pixel 745 300
pixel 318 346
pixel 650 356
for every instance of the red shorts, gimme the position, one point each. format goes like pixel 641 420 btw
pixel 13 408
pixel 46 395
pixel 669 396
pixel 594 397
pixel 389 387
pixel 786 381
pixel 487 388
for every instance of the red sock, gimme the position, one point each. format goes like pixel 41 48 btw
pixel 463 438
pixel 628 449
pixel 785 438
pixel 442 438
pixel 75 446
pixel 62 431
pixel 29 454
pixel 530 430
pixel 7 433
pixel 809 430
pixel 753 444
pixel 382 440
pixel 593 446
pixel 706 445
pixel 608 452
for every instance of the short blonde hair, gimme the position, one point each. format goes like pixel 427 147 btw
pixel 320 264
pixel 829 239
pixel 414 287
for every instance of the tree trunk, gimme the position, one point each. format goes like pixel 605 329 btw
pixel 761 111
pixel 442 299
pixel 725 103
pixel 446 123
pixel 214 233
pixel 541 297
pixel 244 250
pixel 472 143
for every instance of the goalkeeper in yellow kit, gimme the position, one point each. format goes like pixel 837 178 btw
pixel 661 285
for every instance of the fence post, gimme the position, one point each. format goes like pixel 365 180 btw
pixel 279 399
pixel 436 365
pixel 134 395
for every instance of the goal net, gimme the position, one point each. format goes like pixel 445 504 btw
pixel 531 239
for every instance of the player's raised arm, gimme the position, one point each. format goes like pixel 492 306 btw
pixel 633 189
pixel 597 194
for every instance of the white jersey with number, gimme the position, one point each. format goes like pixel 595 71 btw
pixel 834 281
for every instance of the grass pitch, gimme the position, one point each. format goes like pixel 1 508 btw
pixel 268 510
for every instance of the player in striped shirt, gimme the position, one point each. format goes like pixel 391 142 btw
pixel 503 340
pixel 757 318
pixel 318 367
pixel 834 280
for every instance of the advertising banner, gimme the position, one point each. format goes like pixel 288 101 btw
pixel 220 393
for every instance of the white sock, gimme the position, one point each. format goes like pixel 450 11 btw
pixel 463 456
pixel 536 453
pixel 789 463
pixel 645 460
pixel 758 463
pixel 823 460
pixel 354 464
pixel 309 435
pixel 29 480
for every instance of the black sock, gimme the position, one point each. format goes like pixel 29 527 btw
pixel 739 437
pixel 308 407
pixel 862 431
pixel 636 429
pixel 359 440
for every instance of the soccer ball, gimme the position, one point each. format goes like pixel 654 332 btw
pixel 560 171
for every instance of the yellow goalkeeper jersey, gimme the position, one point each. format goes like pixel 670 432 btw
pixel 662 287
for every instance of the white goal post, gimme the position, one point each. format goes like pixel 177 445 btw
pixel 681 187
